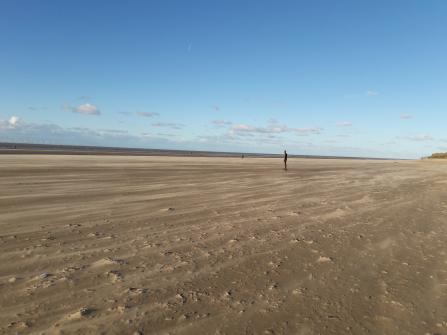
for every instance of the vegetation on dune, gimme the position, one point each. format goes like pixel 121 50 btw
pixel 439 155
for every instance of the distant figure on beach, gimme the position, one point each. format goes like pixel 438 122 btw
pixel 285 160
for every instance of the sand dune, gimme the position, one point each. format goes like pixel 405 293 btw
pixel 177 245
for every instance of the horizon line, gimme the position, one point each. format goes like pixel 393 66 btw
pixel 58 149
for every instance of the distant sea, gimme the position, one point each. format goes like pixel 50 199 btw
pixel 50 149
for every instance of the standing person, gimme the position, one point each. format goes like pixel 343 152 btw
pixel 285 160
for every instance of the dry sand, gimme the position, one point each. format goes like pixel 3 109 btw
pixel 162 245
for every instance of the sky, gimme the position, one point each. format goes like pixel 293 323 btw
pixel 348 78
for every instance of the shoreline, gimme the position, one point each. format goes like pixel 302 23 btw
pixel 49 149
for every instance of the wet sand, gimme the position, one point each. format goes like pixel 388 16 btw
pixel 177 245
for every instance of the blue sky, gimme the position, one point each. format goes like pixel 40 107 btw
pixel 361 78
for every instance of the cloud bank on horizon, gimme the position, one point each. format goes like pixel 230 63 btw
pixel 300 76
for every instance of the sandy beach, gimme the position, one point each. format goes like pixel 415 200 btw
pixel 177 245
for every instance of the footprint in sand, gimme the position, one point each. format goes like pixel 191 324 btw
pixel 83 312
pixel 115 276
pixel 324 259
pixel 137 291
pixel 107 261
pixel 169 209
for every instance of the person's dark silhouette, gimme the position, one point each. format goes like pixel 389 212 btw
pixel 285 160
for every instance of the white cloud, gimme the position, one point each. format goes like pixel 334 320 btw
pixel 405 116
pixel 245 128
pixel 344 124
pixel 371 93
pixel 308 131
pixel 272 128
pixel 87 109
pixel 113 131
pixel 222 123
pixel 15 130
pixel 147 114
pixel 168 125
pixel 13 121
pixel 418 137
pixel 246 140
